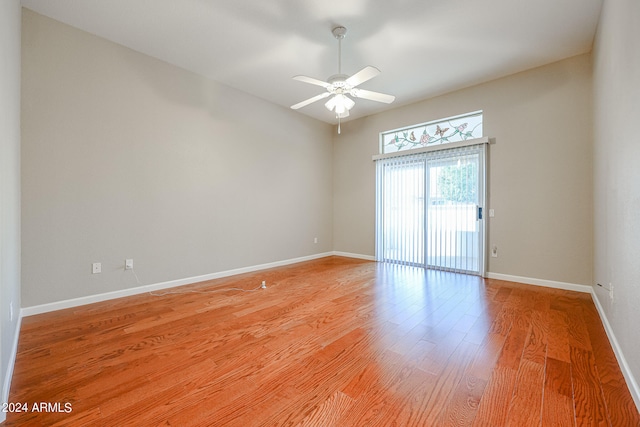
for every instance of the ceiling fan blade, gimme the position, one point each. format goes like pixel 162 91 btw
pixel 373 96
pixel 310 100
pixel 367 73
pixel 311 80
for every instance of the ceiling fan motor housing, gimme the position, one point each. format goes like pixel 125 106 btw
pixel 338 83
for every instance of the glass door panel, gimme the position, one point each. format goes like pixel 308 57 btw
pixel 452 213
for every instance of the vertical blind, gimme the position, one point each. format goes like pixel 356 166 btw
pixel 427 209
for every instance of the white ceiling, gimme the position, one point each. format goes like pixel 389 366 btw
pixel 423 47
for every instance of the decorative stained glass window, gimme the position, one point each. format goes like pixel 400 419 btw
pixel 443 131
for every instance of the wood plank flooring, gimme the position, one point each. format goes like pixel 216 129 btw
pixel 330 342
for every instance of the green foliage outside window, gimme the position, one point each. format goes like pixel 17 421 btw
pixel 459 183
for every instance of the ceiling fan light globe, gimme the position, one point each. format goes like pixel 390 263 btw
pixel 342 103
pixel 331 103
pixel 348 102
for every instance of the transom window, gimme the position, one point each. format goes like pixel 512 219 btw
pixel 437 132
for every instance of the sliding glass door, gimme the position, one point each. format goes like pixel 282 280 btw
pixel 429 209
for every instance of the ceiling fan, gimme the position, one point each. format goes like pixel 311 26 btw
pixel 340 85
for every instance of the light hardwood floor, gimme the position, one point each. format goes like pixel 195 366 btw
pixel 330 342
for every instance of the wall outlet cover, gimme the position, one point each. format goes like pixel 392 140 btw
pixel 96 268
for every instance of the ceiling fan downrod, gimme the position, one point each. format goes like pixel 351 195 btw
pixel 339 33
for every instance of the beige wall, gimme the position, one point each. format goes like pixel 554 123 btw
pixel 540 169
pixel 9 187
pixel 125 156
pixel 617 172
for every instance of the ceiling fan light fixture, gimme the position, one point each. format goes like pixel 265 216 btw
pixel 340 103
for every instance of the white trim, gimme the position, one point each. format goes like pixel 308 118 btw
pixel 6 386
pixel 90 299
pixel 541 282
pixel 632 384
pixel 352 255
pixel 439 147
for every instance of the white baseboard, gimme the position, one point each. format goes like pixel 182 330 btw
pixel 541 282
pixel 352 255
pixel 622 361
pixel 90 299
pixel 6 386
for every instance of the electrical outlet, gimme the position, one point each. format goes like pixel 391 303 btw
pixel 315 240
pixel 96 268
pixel 128 264
pixel 611 291
pixel 494 251
pixel 11 311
